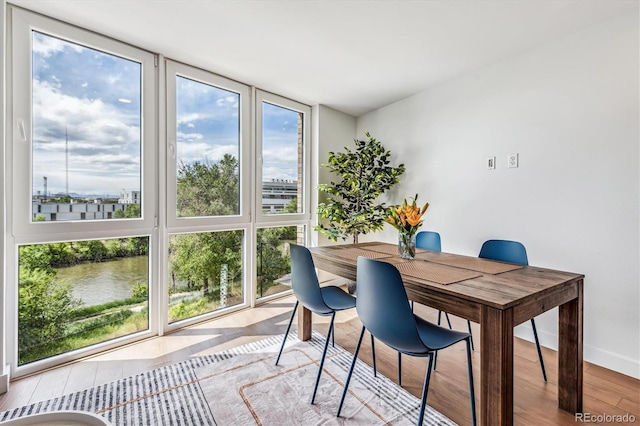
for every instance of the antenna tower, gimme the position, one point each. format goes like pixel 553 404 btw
pixel 66 151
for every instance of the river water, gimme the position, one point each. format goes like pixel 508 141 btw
pixel 101 282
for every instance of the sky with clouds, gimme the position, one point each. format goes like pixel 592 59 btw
pixel 88 102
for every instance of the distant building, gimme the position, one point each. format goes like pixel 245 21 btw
pixel 129 197
pixel 74 211
pixel 277 193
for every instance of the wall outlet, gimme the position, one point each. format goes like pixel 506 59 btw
pixel 512 160
pixel 491 163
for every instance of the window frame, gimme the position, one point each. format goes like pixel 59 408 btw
pixel 158 219
pixel 283 219
pixel 22 25
pixel 21 230
pixel 174 223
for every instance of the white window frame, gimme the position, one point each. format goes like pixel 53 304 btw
pixel 180 225
pixel 23 23
pixel 19 176
pixel 174 69
pixel 284 219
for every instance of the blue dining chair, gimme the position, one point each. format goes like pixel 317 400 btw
pixel 512 252
pixel 430 240
pixel 383 307
pixel 324 301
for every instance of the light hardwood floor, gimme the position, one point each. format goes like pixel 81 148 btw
pixel 605 391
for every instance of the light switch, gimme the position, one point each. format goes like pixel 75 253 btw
pixel 491 163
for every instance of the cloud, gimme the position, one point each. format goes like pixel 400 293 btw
pixel 46 46
pixel 100 138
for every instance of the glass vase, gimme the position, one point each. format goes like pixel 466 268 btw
pixel 407 245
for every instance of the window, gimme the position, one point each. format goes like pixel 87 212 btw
pixel 117 234
pixel 86 131
pixel 283 131
pixel 82 186
pixel 283 182
pixel 273 258
pixel 77 293
pixel 208 206
pixel 208 148
pixel 205 272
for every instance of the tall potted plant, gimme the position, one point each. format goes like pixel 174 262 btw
pixel 363 174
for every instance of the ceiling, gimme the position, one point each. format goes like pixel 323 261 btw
pixel 353 56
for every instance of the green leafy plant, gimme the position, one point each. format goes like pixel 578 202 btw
pixel 351 208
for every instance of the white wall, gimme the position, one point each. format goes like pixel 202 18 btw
pixel 571 111
pixel 334 131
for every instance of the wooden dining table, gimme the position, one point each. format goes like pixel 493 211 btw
pixel 496 295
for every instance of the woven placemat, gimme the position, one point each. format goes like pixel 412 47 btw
pixel 476 264
pixel 353 253
pixel 387 248
pixel 434 272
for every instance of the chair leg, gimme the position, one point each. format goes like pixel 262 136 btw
pixel 399 369
pixel 287 332
pixel 470 335
pixel 425 389
pixel 535 335
pixel 373 357
pixel 472 394
pixel 353 364
pixel 333 337
pixel 324 354
pixel 446 315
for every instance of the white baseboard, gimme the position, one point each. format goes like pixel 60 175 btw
pixel 610 360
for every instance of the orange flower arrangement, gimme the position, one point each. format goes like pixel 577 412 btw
pixel 407 218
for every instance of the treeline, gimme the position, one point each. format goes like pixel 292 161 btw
pixel 55 255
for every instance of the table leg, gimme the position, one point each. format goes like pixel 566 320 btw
pixel 570 369
pixel 496 370
pixel 304 323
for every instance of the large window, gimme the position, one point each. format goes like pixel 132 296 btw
pixel 86 132
pixel 283 128
pixel 283 186
pixel 205 272
pixel 208 165
pixel 74 294
pixel 132 213
pixel 82 184
pixel 208 149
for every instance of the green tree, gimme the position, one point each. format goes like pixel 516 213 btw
pixel 131 211
pixel 46 256
pixel 292 206
pixel 364 174
pixel 199 257
pixel 137 246
pixel 44 308
pixel 205 189
pixel 91 250
pixel 273 260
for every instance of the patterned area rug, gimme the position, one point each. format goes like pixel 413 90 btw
pixel 242 386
